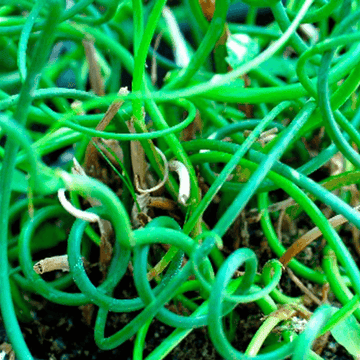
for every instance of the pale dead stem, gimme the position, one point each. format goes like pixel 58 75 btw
pixel 241 232
pixel 96 80
pixel 208 8
pixel 297 316
pixel 93 168
pixel 91 154
pixel 51 264
pixel 138 161
pixel 162 203
pixel 265 137
pixel 142 177
pixel 112 150
pixel 279 226
pixel 254 215
pixel 189 133
pixel 303 288
pixel 91 161
pixel 153 59
pixel 184 180
pixel 182 57
pixel 310 31
pixel 287 311
pixel 6 349
pixel 140 216
pixel 146 202
pixel 105 227
pixel 80 214
pixel 161 183
pixel 325 292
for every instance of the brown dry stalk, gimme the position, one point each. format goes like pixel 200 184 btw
pixel 51 264
pixel 321 342
pixel 140 218
pixel 153 60
pixel 264 137
pixel 138 161
pixel 284 312
pixel 87 312
pixel 290 311
pixel 325 292
pixel 112 149
pixel 305 240
pixel 208 8
pixel 91 154
pixel 254 215
pixel 303 288
pixel 161 183
pixel 279 226
pixel 112 110
pixel 189 133
pixel 162 203
pixel 145 201
pixel 105 227
pixel 8 350
pixel 96 80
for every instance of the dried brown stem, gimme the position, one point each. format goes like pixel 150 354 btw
pixel 162 203
pixel 153 60
pixel 255 215
pixel 91 154
pixel 138 161
pixel 96 80
pixel 305 240
pixel 51 264
pixel 303 288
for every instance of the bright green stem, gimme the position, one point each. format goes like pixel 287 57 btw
pixel 41 53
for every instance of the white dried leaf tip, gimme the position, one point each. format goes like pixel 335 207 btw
pixel 184 180
pixel 90 217
pixel 162 182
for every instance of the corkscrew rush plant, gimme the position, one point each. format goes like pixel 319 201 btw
pixel 253 126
